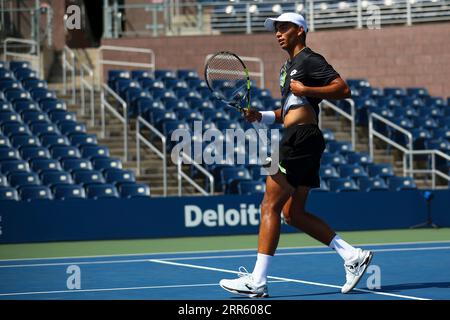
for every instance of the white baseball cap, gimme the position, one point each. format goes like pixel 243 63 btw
pixel 295 18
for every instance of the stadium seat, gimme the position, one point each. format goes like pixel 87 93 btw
pixel 8 153
pixel 20 179
pixel 250 187
pixel 372 184
pixel 45 165
pixel 66 192
pixel 65 152
pixel 106 163
pixel 83 139
pixel 31 152
pixel 232 175
pixel 12 166
pixel 91 152
pixel 101 191
pixel 341 147
pixel 4 142
pixel 401 183
pixel 342 185
pixel 380 170
pixel 332 159
pixel 69 127
pixel 134 190
pixel 361 158
pixel 3 181
pixel 88 177
pixel 353 171
pixel 8 193
pixel 34 117
pixel 53 140
pixel 72 165
pixel 43 128
pixel 55 178
pixel 31 193
pixel 10 129
pixel 119 176
pixel 328 172
pixel 20 141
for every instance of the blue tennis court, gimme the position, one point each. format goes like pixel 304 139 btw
pixel 407 271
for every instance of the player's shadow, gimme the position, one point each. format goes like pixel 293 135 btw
pixel 407 286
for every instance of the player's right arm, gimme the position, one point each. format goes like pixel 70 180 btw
pixel 255 115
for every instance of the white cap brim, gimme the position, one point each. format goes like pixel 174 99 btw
pixel 269 24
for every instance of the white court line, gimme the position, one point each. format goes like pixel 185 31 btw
pixel 116 289
pixel 286 279
pixel 215 251
pixel 206 257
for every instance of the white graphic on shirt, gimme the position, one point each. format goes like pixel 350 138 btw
pixel 293 72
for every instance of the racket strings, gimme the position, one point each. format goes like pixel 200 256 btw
pixel 225 71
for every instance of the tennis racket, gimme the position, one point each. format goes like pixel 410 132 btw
pixel 227 68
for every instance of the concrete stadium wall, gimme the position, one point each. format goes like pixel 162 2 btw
pixel 392 56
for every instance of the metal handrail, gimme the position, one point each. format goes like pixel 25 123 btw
pixel 373 132
pixel 105 90
pixel 433 169
pixel 84 84
pixel 66 65
pixel 183 156
pixel 35 51
pixel 160 153
pixel 102 62
pixel 350 116
pixel 259 74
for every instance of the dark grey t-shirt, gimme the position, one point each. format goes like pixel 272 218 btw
pixel 312 70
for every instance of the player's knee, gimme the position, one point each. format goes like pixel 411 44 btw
pixel 269 208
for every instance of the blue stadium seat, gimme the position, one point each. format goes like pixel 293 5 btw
pixel 342 185
pixel 372 184
pixel 91 152
pixel 4 142
pixel 12 166
pixel 406 112
pixel 328 172
pixel 5 106
pixel 15 65
pixel 361 158
pixel 439 144
pixel 21 106
pixel 419 136
pixel 75 165
pixel 332 159
pixel 380 170
pixel 8 193
pixel 119 176
pixel 247 187
pixel 55 178
pixel 88 177
pixel 65 152
pixel 168 127
pixel 417 92
pixel 395 92
pixel 19 141
pixel 445 122
pixel 189 115
pixel 341 147
pixel 426 123
pixel 401 183
pixel 101 191
pixel 45 165
pixel 66 192
pixel 328 135
pixel 31 193
pixel 32 152
pixel 353 171
pixel 68 127
pixel 43 128
pixel 53 140
pixel 20 179
pixel 322 188
pixel 10 117
pixel 83 139
pixel 52 104
pixel 137 74
pixel 34 116
pixel 442 133
pixel 32 83
pixel 16 94
pixel 9 153
pixel 10 129
pixel 39 94
pixel 60 115
pixel 106 163
pixel 134 190
pixel 232 175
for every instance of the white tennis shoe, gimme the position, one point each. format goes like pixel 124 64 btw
pixel 355 269
pixel 244 285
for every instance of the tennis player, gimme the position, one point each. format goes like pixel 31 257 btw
pixel 305 79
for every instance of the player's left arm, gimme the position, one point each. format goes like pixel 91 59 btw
pixel 328 84
pixel 335 90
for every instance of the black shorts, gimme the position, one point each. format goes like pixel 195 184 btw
pixel 300 151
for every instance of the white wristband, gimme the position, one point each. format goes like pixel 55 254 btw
pixel 267 117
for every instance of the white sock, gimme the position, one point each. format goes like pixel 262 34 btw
pixel 345 250
pixel 261 267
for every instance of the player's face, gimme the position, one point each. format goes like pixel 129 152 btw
pixel 287 34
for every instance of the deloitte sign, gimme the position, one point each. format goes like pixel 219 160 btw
pixel 247 215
